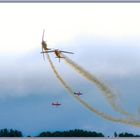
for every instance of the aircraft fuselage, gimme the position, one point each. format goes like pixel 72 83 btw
pixel 58 53
pixel 44 45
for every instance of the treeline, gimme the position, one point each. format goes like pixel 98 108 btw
pixel 71 133
pixel 125 134
pixel 10 133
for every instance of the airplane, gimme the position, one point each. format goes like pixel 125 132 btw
pixel 56 104
pixel 44 45
pixel 57 53
pixel 78 93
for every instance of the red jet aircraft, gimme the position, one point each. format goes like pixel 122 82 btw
pixel 56 104
pixel 78 93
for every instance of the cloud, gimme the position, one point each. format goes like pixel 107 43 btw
pixel 24 75
pixel 108 57
pixel 28 72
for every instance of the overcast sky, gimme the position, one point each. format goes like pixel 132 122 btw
pixel 105 40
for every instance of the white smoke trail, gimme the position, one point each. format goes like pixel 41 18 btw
pixel 106 91
pixel 101 114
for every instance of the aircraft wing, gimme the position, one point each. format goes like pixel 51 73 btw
pixel 67 52
pixel 47 51
pixel 50 51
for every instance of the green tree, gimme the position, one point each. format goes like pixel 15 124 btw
pixel 71 133
pixel 115 134
pixel 10 133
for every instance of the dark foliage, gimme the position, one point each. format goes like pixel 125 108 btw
pixel 71 133
pixel 115 134
pixel 10 133
pixel 127 135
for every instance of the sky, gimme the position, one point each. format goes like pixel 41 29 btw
pixel 105 40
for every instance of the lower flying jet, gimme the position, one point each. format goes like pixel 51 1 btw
pixel 56 104
pixel 78 93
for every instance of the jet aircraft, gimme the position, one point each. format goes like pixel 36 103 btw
pixel 56 104
pixel 78 93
